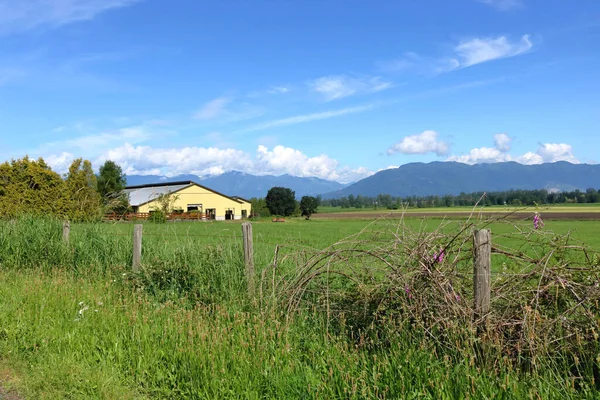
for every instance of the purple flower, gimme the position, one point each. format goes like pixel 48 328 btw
pixel 439 257
pixel 407 291
pixel 537 221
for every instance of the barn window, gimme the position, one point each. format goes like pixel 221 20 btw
pixel 194 207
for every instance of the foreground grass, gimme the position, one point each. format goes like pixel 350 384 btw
pixel 75 323
pixel 125 345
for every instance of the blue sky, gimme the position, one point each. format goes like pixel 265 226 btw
pixel 337 89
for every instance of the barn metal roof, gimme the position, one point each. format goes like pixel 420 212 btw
pixel 143 194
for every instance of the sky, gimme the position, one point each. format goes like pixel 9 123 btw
pixel 335 89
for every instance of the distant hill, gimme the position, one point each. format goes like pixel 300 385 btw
pixel 246 185
pixel 440 178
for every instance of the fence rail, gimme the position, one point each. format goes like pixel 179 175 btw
pixel 185 216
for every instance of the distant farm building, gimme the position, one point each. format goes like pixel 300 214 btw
pixel 187 197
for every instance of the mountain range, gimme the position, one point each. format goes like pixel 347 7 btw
pixel 414 179
pixel 440 178
pixel 236 183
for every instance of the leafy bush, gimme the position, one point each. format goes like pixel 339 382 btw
pixel 157 217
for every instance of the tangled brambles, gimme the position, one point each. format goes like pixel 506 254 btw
pixel 391 279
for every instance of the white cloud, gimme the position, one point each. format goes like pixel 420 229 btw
pixel 503 5
pixel 499 153
pixel 502 142
pixel 60 162
pixel 550 152
pixel 212 109
pixel 464 54
pixel 480 50
pixel 294 162
pixel 173 161
pixel 423 143
pixel 204 161
pixel 339 86
pixel 299 119
pixel 23 15
pixel 546 153
pixel 482 155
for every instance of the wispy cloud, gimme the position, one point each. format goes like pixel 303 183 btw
pixel 464 54
pixel 503 5
pixel 279 90
pixel 299 119
pixel 224 110
pixel 405 62
pixel 339 86
pixel 87 143
pixel 479 50
pixel 212 109
pixel 24 15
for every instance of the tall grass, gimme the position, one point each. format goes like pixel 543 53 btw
pixel 76 323
pixel 124 345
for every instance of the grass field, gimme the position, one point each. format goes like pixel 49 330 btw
pixel 595 207
pixel 76 323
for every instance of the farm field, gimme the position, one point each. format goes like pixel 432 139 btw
pixel 319 233
pixel 583 208
pixel 76 323
pixel 562 212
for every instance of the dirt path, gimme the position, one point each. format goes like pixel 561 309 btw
pixel 555 216
pixel 5 394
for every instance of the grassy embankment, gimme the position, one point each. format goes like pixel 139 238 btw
pixel 75 323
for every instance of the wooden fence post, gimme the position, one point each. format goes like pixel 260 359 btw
pixel 482 245
pixel 66 231
pixel 248 256
pixel 137 247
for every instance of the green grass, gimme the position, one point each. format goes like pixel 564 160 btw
pixel 76 324
pixel 126 346
pixel 582 207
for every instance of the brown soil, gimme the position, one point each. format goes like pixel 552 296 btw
pixel 548 216
pixel 5 394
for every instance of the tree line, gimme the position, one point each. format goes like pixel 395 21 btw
pixel 501 198
pixel 281 201
pixel 31 187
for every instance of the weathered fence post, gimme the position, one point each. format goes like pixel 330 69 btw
pixel 137 247
pixel 66 231
pixel 482 245
pixel 248 256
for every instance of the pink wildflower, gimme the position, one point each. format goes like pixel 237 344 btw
pixel 439 257
pixel 537 221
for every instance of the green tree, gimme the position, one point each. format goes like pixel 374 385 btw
pixel 31 187
pixel 82 187
pixel 259 207
pixel 281 201
pixel 111 181
pixel 308 206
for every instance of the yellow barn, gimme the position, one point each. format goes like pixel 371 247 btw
pixel 188 196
